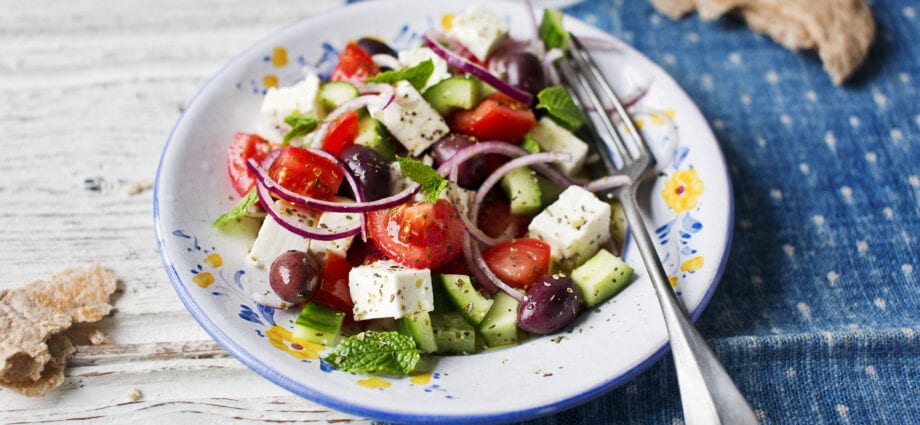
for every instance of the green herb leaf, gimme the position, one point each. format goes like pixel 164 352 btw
pixel 301 125
pixel 560 106
pixel 551 31
pixel 416 75
pixel 375 352
pixel 240 210
pixel 432 183
pixel 530 144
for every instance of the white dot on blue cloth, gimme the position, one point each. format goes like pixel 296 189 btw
pixel 909 12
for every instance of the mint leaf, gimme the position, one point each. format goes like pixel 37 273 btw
pixel 416 75
pixel 530 144
pixel 552 33
pixel 301 125
pixel 431 181
pixel 240 210
pixel 560 106
pixel 375 352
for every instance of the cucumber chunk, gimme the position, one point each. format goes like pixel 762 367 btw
pixel 418 326
pixel 334 93
pixel 523 189
pixel 499 327
pixel 601 277
pixel 319 324
pixel 373 134
pixel 454 93
pixel 452 333
pixel 472 305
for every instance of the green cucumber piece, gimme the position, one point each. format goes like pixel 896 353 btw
pixel 319 324
pixel 471 304
pixel 499 327
pixel 601 277
pixel 618 226
pixel 452 333
pixel 454 93
pixel 549 191
pixel 373 134
pixel 418 326
pixel 523 189
pixel 334 93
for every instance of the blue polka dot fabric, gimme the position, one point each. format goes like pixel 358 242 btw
pixel 817 316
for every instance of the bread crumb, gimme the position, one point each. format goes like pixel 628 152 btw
pixel 136 188
pixel 135 394
pixel 33 349
pixel 98 337
pixel 841 31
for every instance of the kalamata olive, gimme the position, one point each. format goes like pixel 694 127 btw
pixel 524 71
pixel 551 304
pixel 375 47
pixel 294 276
pixel 472 171
pixel 370 169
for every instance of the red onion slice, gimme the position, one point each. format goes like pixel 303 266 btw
pixel 274 188
pixel 296 227
pixel 470 68
pixel 608 182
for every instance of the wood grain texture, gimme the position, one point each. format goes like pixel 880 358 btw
pixel 90 90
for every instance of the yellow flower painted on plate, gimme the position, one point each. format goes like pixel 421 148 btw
pixel 447 21
pixel 283 340
pixel 279 57
pixel 421 378
pixel 215 260
pixel 374 383
pixel 692 264
pixel 270 81
pixel 203 279
pixel 682 190
pixel 673 280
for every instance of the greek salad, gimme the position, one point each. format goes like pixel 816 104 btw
pixel 438 195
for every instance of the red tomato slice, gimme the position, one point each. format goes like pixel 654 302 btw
pixel 243 147
pixel 495 218
pixel 355 65
pixel 299 170
pixel 497 117
pixel 420 235
pixel 519 262
pixel 341 134
pixel 333 288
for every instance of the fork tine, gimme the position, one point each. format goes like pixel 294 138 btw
pixel 638 149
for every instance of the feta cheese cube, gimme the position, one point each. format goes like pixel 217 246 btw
pixel 274 240
pixel 554 138
pixel 411 119
pixel 418 55
pixel 279 102
pixel 575 226
pixel 336 222
pixel 479 30
pixel 388 289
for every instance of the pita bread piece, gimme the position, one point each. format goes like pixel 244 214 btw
pixel 33 351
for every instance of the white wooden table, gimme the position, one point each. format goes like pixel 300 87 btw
pixel 89 90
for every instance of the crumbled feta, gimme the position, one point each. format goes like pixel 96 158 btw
pixel 279 102
pixel 387 289
pixel 418 55
pixel 479 30
pixel 274 240
pixel 411 119
pixel 575 226
pixel 336 222
pixel 554 138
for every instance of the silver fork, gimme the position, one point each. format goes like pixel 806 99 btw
pixel 708 394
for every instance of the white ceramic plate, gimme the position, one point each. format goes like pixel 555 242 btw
pixel 690 210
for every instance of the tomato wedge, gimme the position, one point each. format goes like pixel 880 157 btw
pixel 333 287
pixel 243 147
pixel 519 262
pixel 299 170
pixel 355 65
pixel 341 134
pixel 497 117
pixel 421 235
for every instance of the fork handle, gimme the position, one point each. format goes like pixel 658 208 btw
pixel 708 394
